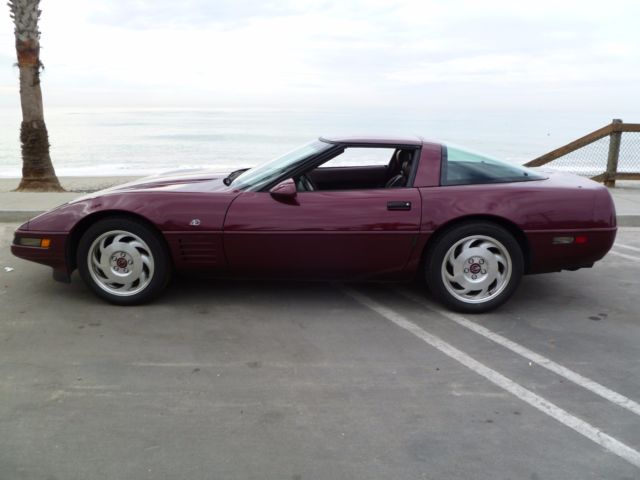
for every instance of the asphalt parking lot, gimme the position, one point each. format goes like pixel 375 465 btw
pixel 247 380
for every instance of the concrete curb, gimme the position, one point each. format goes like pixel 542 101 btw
pixel 9 216
pixel 628 220
pixel 15 216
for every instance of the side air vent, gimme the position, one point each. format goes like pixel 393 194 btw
pixel 198 250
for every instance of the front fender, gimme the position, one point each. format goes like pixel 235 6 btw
pixel 166 211
pixel 188 221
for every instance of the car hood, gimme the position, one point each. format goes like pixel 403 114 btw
pixel 159 204
pixel 191 181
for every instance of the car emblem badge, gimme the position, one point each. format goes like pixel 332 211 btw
pixel 195 222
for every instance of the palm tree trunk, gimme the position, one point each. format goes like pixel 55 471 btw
pixel 38 173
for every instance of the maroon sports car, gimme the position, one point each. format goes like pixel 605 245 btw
pixel 383 209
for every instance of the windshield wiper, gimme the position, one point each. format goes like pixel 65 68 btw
pixel 233 175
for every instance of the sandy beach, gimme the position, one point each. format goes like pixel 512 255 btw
pixel 73 184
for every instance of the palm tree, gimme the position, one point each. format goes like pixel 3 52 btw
pixel 37 170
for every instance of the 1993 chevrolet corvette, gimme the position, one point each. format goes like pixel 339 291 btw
pixel 349 208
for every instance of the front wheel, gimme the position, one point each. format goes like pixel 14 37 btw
pixel 474 267
pixel 123 261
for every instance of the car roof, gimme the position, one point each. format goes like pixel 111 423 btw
pixel 413 140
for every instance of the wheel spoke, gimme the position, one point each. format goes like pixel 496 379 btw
pixel 147 262
pixel 137 245
pixel 118 238
pixel 450 277
pixel 103 244
pixel 111 276
pixel 458 263
pixel 500 259
pixel 483 291
pixel 467 245
pixel 96 262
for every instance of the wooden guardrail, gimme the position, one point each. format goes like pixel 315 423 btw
pixel 614 131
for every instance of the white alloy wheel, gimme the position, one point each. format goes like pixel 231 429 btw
pixel 120 263
pixel 476 269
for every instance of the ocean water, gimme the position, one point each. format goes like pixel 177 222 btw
pixel 105 142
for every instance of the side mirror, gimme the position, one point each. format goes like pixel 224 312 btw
pixel 285 190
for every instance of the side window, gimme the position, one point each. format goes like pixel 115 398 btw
pixel 360 168
pixel 461 167
pixel 361 157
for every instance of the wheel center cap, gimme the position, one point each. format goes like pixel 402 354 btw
pixel 122 262
pixel 475 268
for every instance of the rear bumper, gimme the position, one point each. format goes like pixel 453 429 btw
pixel 54 256
pixel 545 256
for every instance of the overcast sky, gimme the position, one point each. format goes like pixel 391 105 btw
pixel 480 55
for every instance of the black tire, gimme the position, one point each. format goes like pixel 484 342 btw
pixel 489 239
pixel 142 255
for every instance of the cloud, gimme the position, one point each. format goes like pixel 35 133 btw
pixel 187 14
pixel 454 54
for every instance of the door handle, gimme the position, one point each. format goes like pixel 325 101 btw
pixel 399 205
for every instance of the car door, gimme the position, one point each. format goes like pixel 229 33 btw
pixel 334 234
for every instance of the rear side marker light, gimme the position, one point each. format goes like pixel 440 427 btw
pixel 35 242
pixel 562 240
pixel 578 240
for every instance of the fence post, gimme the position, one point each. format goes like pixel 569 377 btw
pixel 614 153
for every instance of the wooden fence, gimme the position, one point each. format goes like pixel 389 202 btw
pixel 610 171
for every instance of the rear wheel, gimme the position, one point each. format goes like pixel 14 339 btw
pixel 123 261
pixel 474 267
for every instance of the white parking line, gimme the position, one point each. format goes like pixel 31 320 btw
pixel 595 387
pixel 624 255
pixel 628 247
pixel 580 426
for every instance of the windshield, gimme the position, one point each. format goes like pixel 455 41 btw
pixel 263 174
pixel 463 167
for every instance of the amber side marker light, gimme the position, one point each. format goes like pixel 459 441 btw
pixel 35 242
pixel 578 240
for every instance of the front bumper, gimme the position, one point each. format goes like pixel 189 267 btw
pixel 55 256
